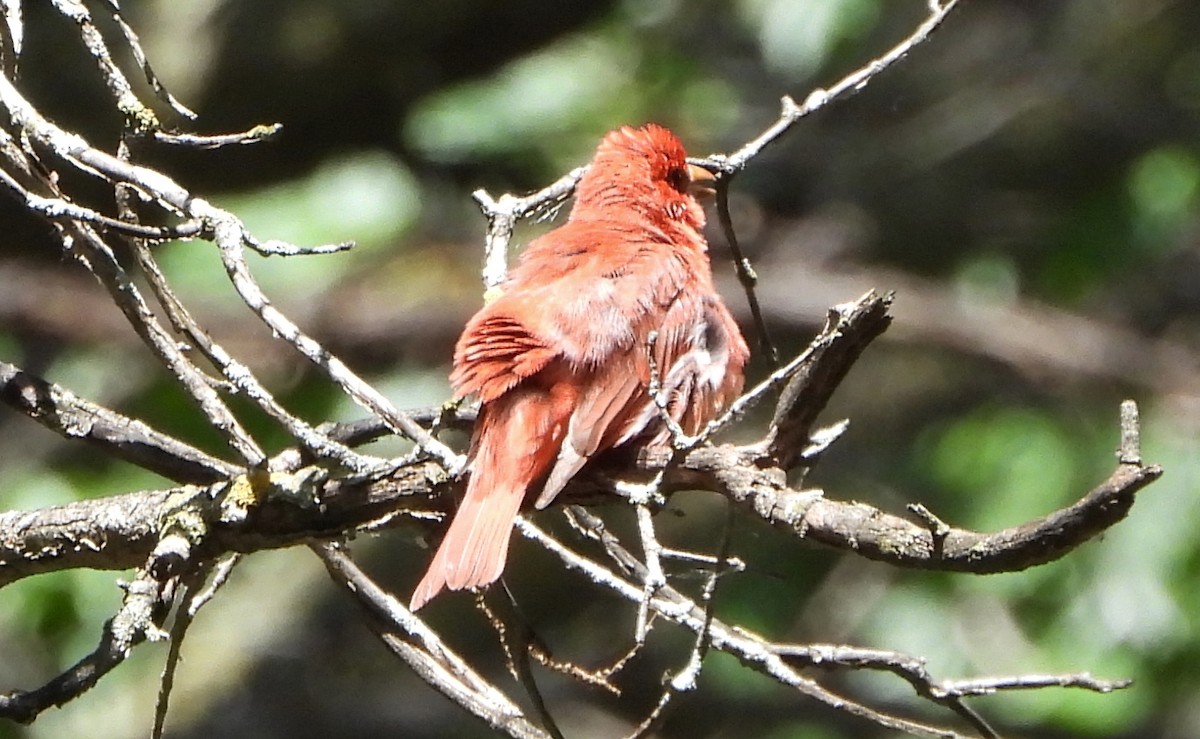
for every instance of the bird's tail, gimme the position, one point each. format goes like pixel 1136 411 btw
pixel 516 440
pixel 476 545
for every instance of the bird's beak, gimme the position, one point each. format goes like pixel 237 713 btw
pixel 702 182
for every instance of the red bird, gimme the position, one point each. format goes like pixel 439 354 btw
pixel 560 360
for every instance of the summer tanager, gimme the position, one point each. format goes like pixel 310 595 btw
pixel 560 359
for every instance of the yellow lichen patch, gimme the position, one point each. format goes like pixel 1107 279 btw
pixel 247 491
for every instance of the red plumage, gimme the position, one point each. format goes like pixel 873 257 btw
pixel 560 359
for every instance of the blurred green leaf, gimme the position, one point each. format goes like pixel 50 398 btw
pixel 369 198
pixel 797 36
pixel 566 86
pixel 1007 463
pixel 1164 185
pixel 988 277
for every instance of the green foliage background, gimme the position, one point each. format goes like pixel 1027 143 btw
pixel 1040 156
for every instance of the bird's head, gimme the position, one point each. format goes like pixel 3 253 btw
pixel 643 170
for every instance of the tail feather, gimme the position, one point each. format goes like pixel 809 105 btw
pixel 516 439
pixel 476 545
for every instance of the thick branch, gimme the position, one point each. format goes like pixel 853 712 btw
pixel 119 532
pixel 809 390
pixel 114 533
pixel 874 534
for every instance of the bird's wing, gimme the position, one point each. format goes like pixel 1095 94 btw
pixel 495 353
pixel 698 355
pixel 568 299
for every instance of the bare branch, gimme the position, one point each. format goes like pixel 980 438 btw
pixel 421 648
pixel 992 685
pixel 59 209
pixel 253 136
pixel 90 250
pixel 119 532
pixel 685 679
pixel 192 594
pixel 762 654
pixel 654 578
pixel 104 264
pixel 519 643
pixel 817 375
pixel 745 273
pixel 230 235
pixel 749 648
pixel 135 621
pixel 876 535
pixel 135 46
pixel 14 26
pixel 945 692
pixel 819 98
pixel 1130 450
pixel 118 85
pixel 852 326
pixel 240 375
pixel 503 214
pixel 63 412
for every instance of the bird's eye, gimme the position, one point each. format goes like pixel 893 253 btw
pixel 678 178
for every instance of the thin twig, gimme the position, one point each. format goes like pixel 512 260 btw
pixel 86 246
pixel 141 117
pixel 991 685
pixel 502 215
pixel 133 622
pixel 1130 450
pixel 654 579
pixel 518 641
pixel 128 297
pixel 191 594
pixel 63 412
pixel 840 317
pixel 745 273
pixel 59 209
pixel 946 692
pixel 13 38
pixel 256 134
pixel 139 55
pixel 239 375
pixel 684 680
pixel 752 650
pixel 659 397
pixel 418 645
pixel 229 235
pixel 791 113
